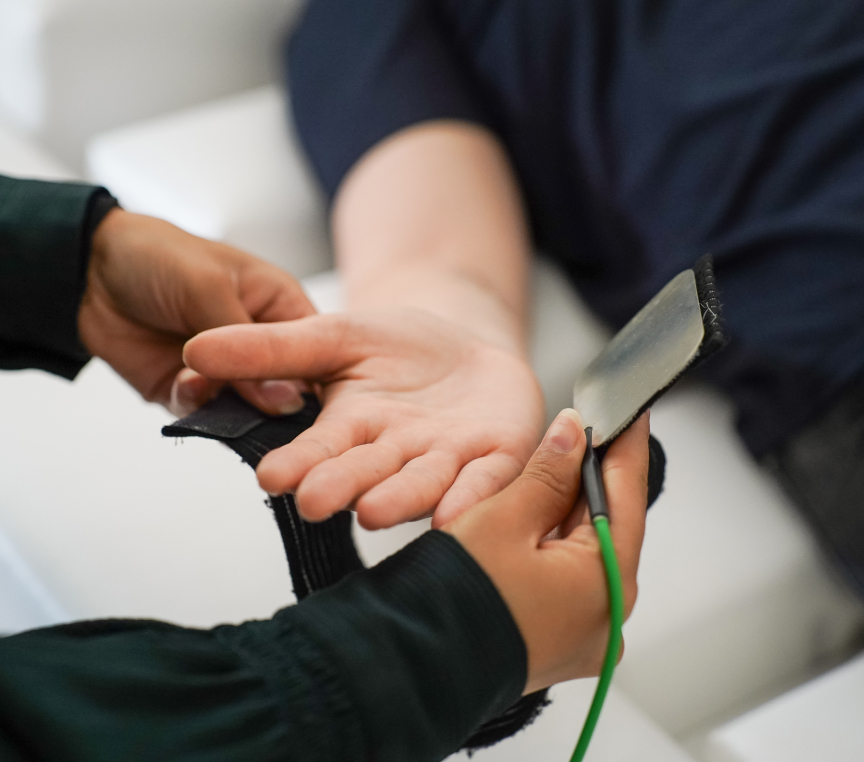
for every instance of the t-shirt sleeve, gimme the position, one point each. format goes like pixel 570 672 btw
pixel 45 232
pixel 359 70
pixel 402 661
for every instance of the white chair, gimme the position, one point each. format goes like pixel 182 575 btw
pixel 22 157
pixel 264 201
pixel 821 720
pixel 25 602
pixel 734 598
pixel 623 734
pixel 71 68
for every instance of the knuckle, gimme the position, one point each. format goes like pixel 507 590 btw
pixel 586 540
pixel 544 472
pixel 467 494
pixel 422 474
pixel 211 280
pixel 315 447
pixel 483 481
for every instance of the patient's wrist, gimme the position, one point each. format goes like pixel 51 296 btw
pixel 452 296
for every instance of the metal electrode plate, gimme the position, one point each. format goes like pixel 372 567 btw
pixel 641 360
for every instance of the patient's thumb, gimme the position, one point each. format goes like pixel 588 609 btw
pixel 547 489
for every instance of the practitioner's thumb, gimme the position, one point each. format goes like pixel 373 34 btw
pixel 546 491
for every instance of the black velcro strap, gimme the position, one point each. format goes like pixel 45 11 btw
pixel 319 554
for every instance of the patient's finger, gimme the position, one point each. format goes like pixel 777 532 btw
pixel 411 494
pixel 311 347
pixel 283 469
pixel 479 479
pixel 337 482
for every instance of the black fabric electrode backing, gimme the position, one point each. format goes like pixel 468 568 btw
pixel 321 553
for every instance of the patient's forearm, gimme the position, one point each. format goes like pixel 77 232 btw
pixel 432 218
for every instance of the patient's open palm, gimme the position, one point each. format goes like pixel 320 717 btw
pixel 418 415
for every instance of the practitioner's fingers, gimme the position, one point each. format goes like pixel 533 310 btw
pixel 274 397
pixel 311 347
pixel 546 491
pixel 479 479
pixel 579 516
pixel 625 475
pixel 335 483
pixel 270 294
pixel 411 494
pixel 544 494
pixel 190 390
pixel 556 589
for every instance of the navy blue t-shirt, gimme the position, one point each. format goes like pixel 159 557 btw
pixel 643 134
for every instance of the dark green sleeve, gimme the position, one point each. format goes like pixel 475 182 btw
pixel 399 662
pixel 45 231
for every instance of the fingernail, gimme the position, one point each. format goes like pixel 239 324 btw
pixel 282 396
pixel 184 385
pixel 186 374
pixel 564 432
pixel 185 394
pixel 183 397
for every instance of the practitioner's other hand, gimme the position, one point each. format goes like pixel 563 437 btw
pixel 152 286
pixel 418 415
pixel 556 588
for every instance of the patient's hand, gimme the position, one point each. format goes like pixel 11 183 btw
pixel 418 415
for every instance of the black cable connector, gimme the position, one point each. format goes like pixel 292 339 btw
pixel 592 481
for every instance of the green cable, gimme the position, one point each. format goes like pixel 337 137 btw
pixel 613 647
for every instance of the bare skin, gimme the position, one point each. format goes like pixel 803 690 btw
pixel 416 415
pixel 152 286
pixel 430 404
pixel 555 588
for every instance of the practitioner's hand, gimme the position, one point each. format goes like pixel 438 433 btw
pixel 152 286
pixel 556 588
pixel 417 414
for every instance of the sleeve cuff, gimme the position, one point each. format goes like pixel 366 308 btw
pixel 361 71
pixel 422 647
pixel 45 232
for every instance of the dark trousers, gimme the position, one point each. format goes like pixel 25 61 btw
pixel 822 470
